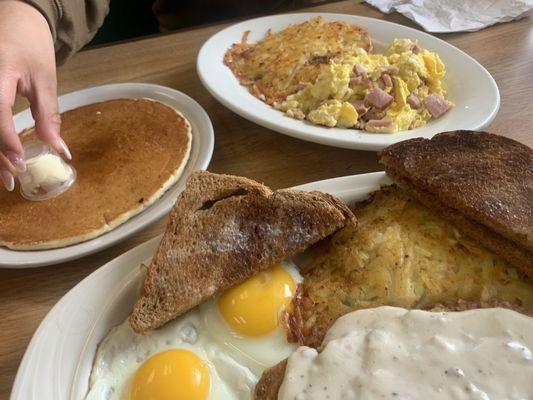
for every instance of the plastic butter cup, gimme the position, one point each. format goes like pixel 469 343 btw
pixel 47 175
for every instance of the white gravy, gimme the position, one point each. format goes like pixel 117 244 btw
pixel 393 353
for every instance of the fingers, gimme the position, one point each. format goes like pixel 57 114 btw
pixel 45 112
pixel 11 151
pixel 7 179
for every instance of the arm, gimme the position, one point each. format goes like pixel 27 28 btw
pixel 28 31
pixel 73 23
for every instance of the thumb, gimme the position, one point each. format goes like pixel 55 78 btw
pixel 45 112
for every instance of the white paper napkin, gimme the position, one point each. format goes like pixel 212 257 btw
pixel 456 15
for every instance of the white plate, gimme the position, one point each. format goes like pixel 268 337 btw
pixel 57 363
pixel 201 151
pixel 470 86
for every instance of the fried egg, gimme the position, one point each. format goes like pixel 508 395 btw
pixel 248 318
pixel 215 351
pixel 180 361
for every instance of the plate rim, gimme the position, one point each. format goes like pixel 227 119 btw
pixel 322 138
pixel 32 258
pixel 28 369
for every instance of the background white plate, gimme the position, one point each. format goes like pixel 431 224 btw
pixel 470 86
pixel 57 363
pixel 201 151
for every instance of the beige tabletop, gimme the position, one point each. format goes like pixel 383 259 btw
pixel 241 147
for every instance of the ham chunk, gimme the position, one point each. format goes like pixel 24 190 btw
pixel 391 70
pixel 361 81
pixel 387 81
pixel 414 101
pixel 379 125
pixel 436 105
pixel 359 106
pixel 359 70
pixel 379 98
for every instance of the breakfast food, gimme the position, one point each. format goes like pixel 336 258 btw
pixel 480 182
pixel 227 341
pixel 403 303
pixel 401 254
pixel 226 246
pixel 327 73
pixel 225 229
pixel 397 353
pixel 126 152
pixel 276 66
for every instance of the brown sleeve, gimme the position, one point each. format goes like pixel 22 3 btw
pixel 73 22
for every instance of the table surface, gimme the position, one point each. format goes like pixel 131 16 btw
pixel 241 148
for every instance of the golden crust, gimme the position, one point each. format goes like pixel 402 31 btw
pixel 276 66
pixel 401 254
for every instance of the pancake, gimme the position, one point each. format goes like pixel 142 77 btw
pixel 127 153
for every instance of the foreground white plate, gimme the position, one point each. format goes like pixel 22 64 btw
pixel 57 363
pixel 201 151
pixel 470 86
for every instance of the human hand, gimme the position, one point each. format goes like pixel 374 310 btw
pixel 27 65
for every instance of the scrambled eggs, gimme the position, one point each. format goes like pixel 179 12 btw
pixel 399 90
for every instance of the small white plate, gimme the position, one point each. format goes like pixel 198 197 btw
pixel 202 148
pixel 58 361
pixel 470 86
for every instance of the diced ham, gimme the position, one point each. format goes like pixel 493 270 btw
pixel 359 70
pixel 436 105
pixel 372 113
pixel 414 101
pixel 359 106
pixel 415 49
pixel 387 81
pixel 379 123
pixel 391 70
pixel 361 81
pixel 379 98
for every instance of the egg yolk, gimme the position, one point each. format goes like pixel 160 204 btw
pixel 171 375
pixel 253 307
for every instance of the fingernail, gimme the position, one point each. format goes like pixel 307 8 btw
pixel 64 148
pixel 8 180
pixel 18 162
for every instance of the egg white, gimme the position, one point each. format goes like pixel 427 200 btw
pixel 235 361
pixel 256 353
pixel 123 351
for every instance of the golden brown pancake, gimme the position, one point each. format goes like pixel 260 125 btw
pixel 127 153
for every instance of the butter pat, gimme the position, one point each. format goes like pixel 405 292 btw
pixel 47 170
pixel 46 175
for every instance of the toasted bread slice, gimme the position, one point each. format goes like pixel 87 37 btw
pixel 268 386
pixel 222 230
pixel 481 182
